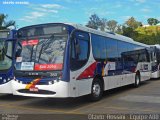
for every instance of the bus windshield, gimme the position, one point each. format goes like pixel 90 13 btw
pixel 41 48
pixel 5 54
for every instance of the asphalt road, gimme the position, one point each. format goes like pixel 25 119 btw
pixel 125 100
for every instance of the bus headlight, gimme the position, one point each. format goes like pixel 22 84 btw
pixel 4 80
pixel 51 82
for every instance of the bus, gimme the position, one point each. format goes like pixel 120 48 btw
pixel 7 44
pixel 155 62
pixel 63 60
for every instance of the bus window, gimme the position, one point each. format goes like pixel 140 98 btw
pixel 5 55
pixel 79 50
pixel 143 57
pixel 98 47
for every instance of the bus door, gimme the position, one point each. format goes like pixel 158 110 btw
pixel 78 62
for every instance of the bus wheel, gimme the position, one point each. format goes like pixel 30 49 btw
pixel 137 80
pixel 96 90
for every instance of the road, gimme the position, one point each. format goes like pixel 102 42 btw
pixel 125 100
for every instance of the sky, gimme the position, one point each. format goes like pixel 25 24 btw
pixel 29 12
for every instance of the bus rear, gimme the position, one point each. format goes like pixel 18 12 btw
pixel 7 43
pixel 41 61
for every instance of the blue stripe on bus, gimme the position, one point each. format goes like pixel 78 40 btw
pixel 66 71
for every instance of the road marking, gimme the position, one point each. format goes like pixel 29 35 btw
pixel 128 109
pixel 46 110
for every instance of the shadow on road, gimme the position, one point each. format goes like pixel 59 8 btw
pixel 155 79
pixel 66 104
pixel 10 97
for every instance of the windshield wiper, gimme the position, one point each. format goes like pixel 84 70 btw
pixel 8 57
pixel 44 44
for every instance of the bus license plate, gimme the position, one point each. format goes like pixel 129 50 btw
pixel 33 89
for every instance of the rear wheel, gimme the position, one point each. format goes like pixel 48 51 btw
pixel 96 90
pixel 137 80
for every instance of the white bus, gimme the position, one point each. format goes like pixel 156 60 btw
pixel 155 61
pixel 62 60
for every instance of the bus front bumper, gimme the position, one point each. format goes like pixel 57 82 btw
pixel 56 90
pixel 6 88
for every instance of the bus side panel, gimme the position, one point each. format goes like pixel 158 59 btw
pixel 128 79
pixel 112 81
pixel 80 86
pixel 118 80
pixel 155 74
pixel 145 70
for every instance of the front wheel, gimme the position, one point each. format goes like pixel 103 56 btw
pixel 96 90
pixel 137 80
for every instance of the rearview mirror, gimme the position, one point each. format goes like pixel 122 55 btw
pixel 18 52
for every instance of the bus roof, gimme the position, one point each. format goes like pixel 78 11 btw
pixel 105 34
pixel 156 45
pixel 134 52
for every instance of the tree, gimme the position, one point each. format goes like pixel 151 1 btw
pixel 94 22
pixel 132 23
pixel 112 25
pixel 5 24
pixel 129 32
pixel 152 21
pixel 103 23
pixel 119 29
pixel 97 23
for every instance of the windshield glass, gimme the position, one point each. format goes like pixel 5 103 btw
pixel 42 48
pixel 5 54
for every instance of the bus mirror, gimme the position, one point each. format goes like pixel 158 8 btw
pixel 78 49
pixel 2 52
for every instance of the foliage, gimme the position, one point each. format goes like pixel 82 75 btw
pixel 5 24
pixel 119 29
pixel 152 21
pixel 112 25
pixel 132 23
pixel 102 24
pixel 131 28
pixel 129 32
pixel 148 35
pixel 94 22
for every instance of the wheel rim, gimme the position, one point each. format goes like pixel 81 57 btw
pixel 96 90
pixel 137 80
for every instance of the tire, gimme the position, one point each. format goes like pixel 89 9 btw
pixel 137 80
pixel 96 90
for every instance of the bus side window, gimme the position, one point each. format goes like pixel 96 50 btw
pixel 79 50
pixel 142 57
